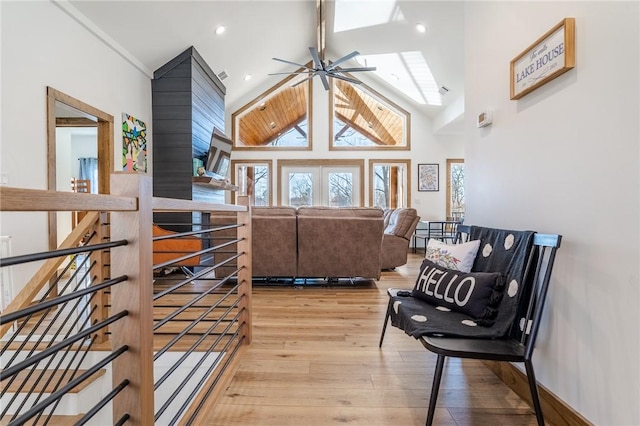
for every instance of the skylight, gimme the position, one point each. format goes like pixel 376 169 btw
pixel 349 16
pixel 408 72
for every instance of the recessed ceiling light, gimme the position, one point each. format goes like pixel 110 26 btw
pixel 394 76
pixel 272 125
pixel 422 28
pixel 262 106
pixel 220 29
pixel 247 77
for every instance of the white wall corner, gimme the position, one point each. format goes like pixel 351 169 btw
pixel 450 121
pixel 83 20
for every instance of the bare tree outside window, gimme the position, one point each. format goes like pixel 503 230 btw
pixel 340 189
pixel 382 186
pixel 300 189
pixel 261 185
pixel 456 200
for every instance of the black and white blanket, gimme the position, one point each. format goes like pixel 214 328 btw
pixel 501 251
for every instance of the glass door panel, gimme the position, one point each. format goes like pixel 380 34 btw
pixel 340 186
pixel 335 186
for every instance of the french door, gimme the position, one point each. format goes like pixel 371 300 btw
pixel 321 185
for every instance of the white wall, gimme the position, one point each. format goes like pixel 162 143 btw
pixel 564 159
pixel 425 148
pixel 43 46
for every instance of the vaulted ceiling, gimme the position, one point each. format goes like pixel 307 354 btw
pixel 384 31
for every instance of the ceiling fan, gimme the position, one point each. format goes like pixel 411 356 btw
pixel 320 67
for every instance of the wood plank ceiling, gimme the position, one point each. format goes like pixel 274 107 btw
pixel 357 109
pixel 287 108
pixel 274 116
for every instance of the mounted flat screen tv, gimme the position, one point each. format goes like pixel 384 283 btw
pixel 219 155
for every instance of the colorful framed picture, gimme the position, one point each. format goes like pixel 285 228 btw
pixel 134 144
pixel 428 177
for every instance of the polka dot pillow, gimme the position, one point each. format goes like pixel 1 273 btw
pixel 459 257
pixel 476 294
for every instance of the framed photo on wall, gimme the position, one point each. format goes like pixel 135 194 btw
pixel 428 177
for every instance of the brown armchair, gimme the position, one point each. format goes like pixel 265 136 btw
pixel 397 234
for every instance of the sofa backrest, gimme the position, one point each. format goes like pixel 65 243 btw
pixel 339 242
pixel 274 241
pixel 402 222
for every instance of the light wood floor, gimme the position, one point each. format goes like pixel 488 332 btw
pixel 315 361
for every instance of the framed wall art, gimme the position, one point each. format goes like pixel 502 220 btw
pixel 551 55
pixel 428 177
pixel 134 144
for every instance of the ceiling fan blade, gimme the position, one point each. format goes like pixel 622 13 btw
pixel 325 82
pixel 341 77
pixel 316 58
pixel 356 69
pixel 303 80
pixel 290 72
pixel 292 63
pixel 343 59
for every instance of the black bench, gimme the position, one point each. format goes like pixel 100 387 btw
pixel 526 266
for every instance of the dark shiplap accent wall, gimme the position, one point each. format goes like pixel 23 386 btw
pixel 187 103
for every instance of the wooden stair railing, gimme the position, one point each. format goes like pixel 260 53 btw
pixel 131 300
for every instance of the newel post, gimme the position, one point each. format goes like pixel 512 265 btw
pixel 245 274
pixel 136 296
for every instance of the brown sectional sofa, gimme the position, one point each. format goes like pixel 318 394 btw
pixel 327 242
pixel 311 242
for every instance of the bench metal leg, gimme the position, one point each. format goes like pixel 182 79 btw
pixel 434 389
pixel 535 399
pixel 386 321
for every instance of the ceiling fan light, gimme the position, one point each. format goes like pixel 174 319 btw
pixel 421 28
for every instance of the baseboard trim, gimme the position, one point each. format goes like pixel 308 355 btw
pixel 556 411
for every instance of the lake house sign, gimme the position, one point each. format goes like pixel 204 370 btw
pixel 548 57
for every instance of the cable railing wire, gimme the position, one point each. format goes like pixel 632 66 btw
pixel 60 299
pixel 8 372
pixel 34 328
pixel 206 376
pixel 39 341
pixel 33 411
pixel 104 401
pixel 193 371
pixel 175 340
pixel 215 381
pixel 38 379
pixel 195 344
pixel 45 255
pixel 186 306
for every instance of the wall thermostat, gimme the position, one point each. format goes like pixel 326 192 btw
pixel 484 119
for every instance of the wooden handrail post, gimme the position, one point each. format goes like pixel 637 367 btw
pixel 245 275
pixel 136 296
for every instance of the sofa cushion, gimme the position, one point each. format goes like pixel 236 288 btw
pixel 476 294
pixel 401 221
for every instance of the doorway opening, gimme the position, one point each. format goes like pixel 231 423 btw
pixel 64 113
